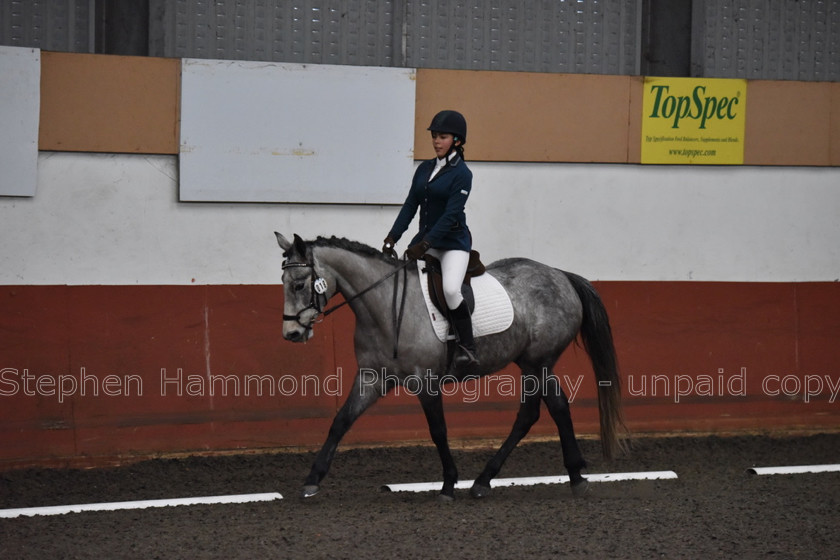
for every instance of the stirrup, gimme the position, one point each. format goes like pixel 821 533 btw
pixel 464 357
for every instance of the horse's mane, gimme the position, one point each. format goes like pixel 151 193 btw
pixel 352 246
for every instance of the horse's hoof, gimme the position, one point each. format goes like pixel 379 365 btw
pixel 445 499
pixel 309 490
pixel 479 491
pixel 581 489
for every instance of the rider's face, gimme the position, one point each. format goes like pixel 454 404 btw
pixel 442 142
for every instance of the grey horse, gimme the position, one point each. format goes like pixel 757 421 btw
pixel 551 308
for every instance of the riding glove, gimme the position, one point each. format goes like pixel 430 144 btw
pixel 388 247
pixel 417 250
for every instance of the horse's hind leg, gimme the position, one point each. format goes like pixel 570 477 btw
pixel 432 403
pixel 558 406
pixel 529 413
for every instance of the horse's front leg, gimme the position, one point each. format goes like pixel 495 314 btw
pixel 432 403
pixel 367 388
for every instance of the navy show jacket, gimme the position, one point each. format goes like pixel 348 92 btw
pixel 443 222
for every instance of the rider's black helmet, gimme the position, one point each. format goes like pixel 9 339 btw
pixel 451 122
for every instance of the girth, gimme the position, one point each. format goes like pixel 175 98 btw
pixel 434 278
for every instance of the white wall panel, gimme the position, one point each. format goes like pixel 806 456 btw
pixel 115 219
pixel 20 92
pixel 633 222
pixel 269 132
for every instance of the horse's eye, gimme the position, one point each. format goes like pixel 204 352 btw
pixel 298 286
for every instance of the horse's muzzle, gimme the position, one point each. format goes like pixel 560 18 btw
pixel 296 333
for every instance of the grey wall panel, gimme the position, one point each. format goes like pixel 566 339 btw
pixel 55 25
pixel 755 39
pixel 597 36
pixel 767 39
pixel 357 32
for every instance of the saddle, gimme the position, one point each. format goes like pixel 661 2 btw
pixel 435 281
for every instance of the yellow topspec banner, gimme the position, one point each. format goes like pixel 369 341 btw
pixel 694 121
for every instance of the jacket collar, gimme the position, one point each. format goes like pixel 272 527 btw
pixel 454 161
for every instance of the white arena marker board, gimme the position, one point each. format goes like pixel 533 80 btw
pixel 20 92
pixel 798 469
pixel 530 481
pixel 283 132
pixel 142 504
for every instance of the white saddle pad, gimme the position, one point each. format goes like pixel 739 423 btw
pixel 493 310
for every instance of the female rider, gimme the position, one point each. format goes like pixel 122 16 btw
pixel 440 189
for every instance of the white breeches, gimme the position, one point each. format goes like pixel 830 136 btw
pixel 453 264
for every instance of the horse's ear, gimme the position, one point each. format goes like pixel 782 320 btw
pixel 300 245
pixel 282 241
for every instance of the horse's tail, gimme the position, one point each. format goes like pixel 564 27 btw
pixel 598 341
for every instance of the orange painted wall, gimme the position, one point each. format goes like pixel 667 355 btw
pixel 665 333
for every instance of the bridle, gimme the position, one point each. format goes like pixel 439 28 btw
pixel 319 291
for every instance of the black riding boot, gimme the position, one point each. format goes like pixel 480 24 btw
pixel 462 322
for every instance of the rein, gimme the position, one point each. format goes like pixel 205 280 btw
pixel 319 289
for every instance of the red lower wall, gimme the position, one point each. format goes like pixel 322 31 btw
pixel 96 374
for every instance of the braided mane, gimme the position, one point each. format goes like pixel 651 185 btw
pixel 352 246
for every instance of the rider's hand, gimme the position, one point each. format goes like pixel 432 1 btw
pixel 388 247
pixel 417 250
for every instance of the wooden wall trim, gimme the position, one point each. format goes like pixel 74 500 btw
pixel 534 117
pixel 106 103
pixel 834 140
pixel 788 123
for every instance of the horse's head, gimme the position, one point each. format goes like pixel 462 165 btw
pixel 305 290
